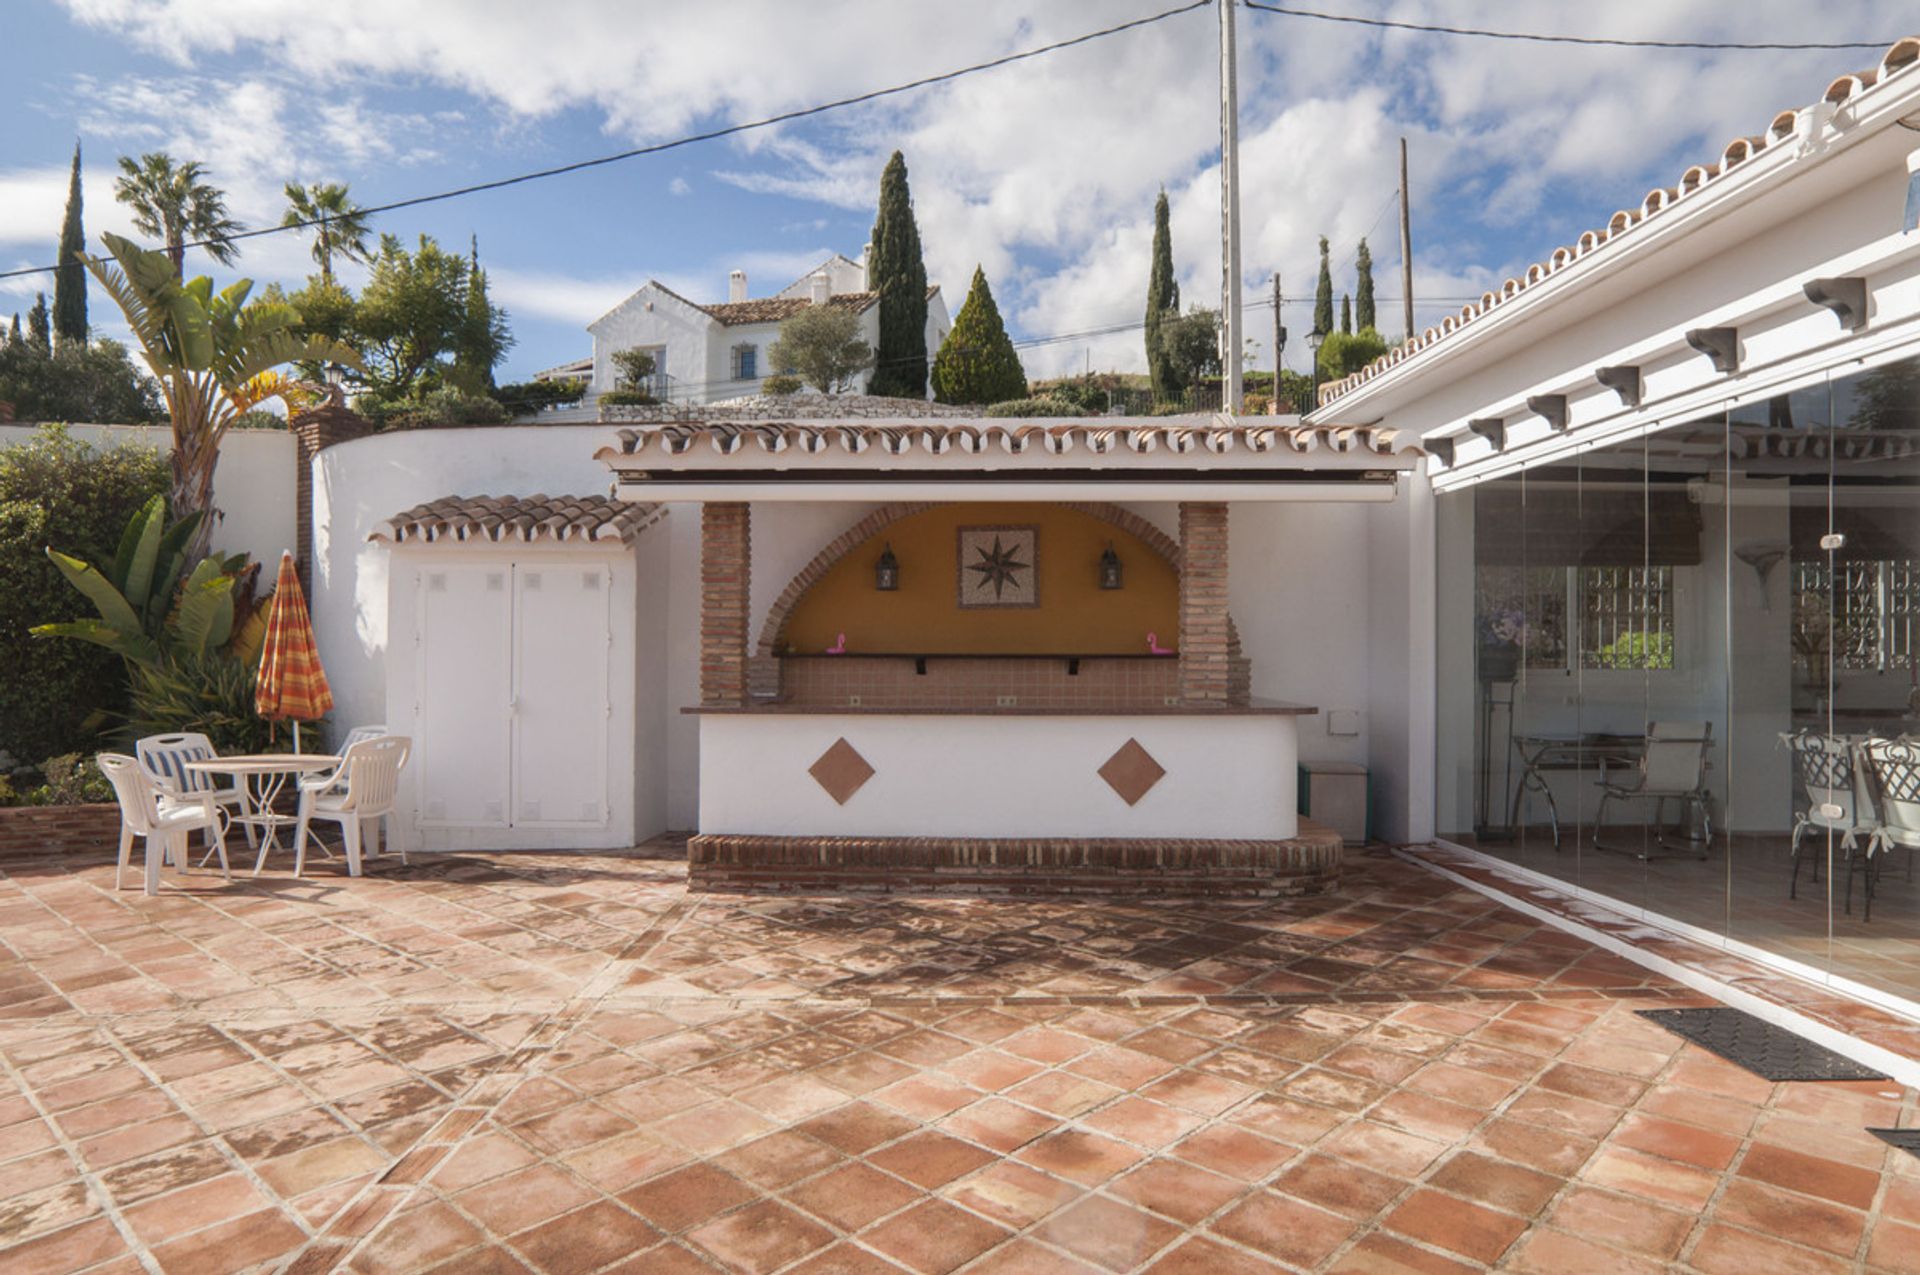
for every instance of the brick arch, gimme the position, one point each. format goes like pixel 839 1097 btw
pixel 773 629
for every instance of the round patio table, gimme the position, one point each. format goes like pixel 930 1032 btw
pixel 261 777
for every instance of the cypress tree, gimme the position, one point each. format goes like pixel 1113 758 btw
pixel 479 344
pixel 70 280
pixel 977 362
pixel 1163 300
pixel 1346 313
pixel 13 333
pixel 1363 313
pixel 39 334
pixel 896 271
pixel 1323 294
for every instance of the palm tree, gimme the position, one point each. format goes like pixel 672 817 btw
pixel 215 357
pixel 339 225
pixel 172 203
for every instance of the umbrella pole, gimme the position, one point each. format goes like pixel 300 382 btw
pixel 296 735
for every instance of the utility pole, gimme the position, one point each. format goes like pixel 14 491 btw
pixel 1279 344
pixel 1406 246
pixel 1230 400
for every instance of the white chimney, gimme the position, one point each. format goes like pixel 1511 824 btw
pixel 866 267
pixel 737 286
pixel 821 284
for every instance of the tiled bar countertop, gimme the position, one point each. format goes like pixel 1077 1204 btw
pixel 1256 708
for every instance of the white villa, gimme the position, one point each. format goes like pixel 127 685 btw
pixel 707 352
pixel 1608 586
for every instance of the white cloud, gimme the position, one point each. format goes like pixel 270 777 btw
pixel 1045 172
pixel 679 186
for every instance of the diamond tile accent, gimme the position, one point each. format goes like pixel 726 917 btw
pixel 841 770
pixel 1132 772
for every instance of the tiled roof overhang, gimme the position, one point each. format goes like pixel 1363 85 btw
pixel 524 519
pixel 1900 57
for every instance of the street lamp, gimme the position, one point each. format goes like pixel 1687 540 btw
pixel 1315 339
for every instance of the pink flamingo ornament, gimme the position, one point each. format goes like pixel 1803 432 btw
pixel 840 647
pixel 1154 647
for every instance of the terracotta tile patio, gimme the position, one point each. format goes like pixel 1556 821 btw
pixel 563 1062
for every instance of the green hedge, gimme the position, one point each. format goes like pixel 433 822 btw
pixel 57 491
pixel 1035 407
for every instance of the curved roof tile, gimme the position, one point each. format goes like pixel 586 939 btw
pixel 1901 55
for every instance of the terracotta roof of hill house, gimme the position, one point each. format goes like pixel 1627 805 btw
pixel 523 518
pixel 972 437
pixel 779 309
pixel 1900 56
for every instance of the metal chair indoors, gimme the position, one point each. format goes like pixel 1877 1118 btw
pixel 361 796
pixel 1672 768
pixel 1894 768
pixel 162 820
pixel 163 758
pixel 1828 770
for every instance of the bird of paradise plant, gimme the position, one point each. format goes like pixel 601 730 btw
pixel 216 357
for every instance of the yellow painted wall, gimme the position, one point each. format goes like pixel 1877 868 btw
pixel 1075 616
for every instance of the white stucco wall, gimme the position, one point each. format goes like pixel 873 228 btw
pixel 358 485
pixel 253 487
pixel 986 776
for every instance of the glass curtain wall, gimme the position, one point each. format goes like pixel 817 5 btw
pixel 1681 671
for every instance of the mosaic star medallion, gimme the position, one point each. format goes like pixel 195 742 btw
pixel 999 567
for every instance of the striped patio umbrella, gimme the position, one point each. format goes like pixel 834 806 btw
pixel 291 683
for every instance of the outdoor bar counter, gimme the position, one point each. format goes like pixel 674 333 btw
pixel 1174 790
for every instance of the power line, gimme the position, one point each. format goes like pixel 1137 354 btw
pixel 1562 39
pixel 730 130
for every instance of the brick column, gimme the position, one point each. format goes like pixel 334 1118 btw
pixel 313 431
pixel 1205 667
pixel 726 554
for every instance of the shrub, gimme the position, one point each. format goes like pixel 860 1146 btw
pixel 533 396
pixel 442 406
pixel 629 398
pixel 1035 407
pixel 55 490
pixel 1255 404
pixel 634 366
pixel 781 385
pixel 1343 353
pixel 96 383
pixel 258 419
pixel 71 779
pixel 822 346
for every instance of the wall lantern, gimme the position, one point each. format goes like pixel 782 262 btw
pixel 1110 570
pixel 886 572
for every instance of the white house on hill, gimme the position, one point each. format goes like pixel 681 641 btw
pixel 707 352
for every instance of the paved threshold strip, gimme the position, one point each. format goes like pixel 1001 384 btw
pixel 333 1244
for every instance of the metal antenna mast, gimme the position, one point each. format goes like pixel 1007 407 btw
pixel 1230 399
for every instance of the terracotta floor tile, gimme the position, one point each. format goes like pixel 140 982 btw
pixel 1013 1194
pixel 585 1239
pixel 1535 1146
pixel 1283 1228
pixel 999 1125
pixel 852 1196
pixel 1791 1216
pixel 1338 1186
pixel 320 1166
pixel 1495 1182
pixel 858 1127
pixel 1382 1254
pixel 934 1237
pixel 1143 1122
pixel 1202 1256
pixel 579 1125
pixel 1725 1250
pixel 1180 1191
pixel 681 1200
pixel 1663 1181
pixel 778 1160
pixel 1545 1252
pixel 202 1204
pixel 1024 1257
pixel 925 1097
pixel 1895 1248
pixel 1674 1141
pixel 1623 1221
pixel 232 1245
pixel 1112 1235
pixel 929 1159
pixel 1811 1175
pixel 78 1247
pixel 1235 1152
pixel 1455 1225
pixel 519 1200
pixel 1428 1116
pixel 838 1259
pixel 1080 1156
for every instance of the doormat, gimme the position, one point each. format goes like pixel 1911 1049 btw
pixel 1908 1140
pixel 1771 1052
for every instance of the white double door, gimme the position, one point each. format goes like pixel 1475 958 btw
pixel 513 712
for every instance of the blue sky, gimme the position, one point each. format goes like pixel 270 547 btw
pixel 1043 172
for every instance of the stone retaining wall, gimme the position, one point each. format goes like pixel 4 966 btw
pixel 37 832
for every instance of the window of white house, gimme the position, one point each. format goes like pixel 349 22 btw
pixel 746 362
pixel 1622 617
pixel 1869 616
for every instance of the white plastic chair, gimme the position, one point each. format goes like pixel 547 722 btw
pixel 164 758
pixel 361 793
pixel 162 820
pixel 337 776
pixel 1672 768
pixel 1894 765
pixel 1830 771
